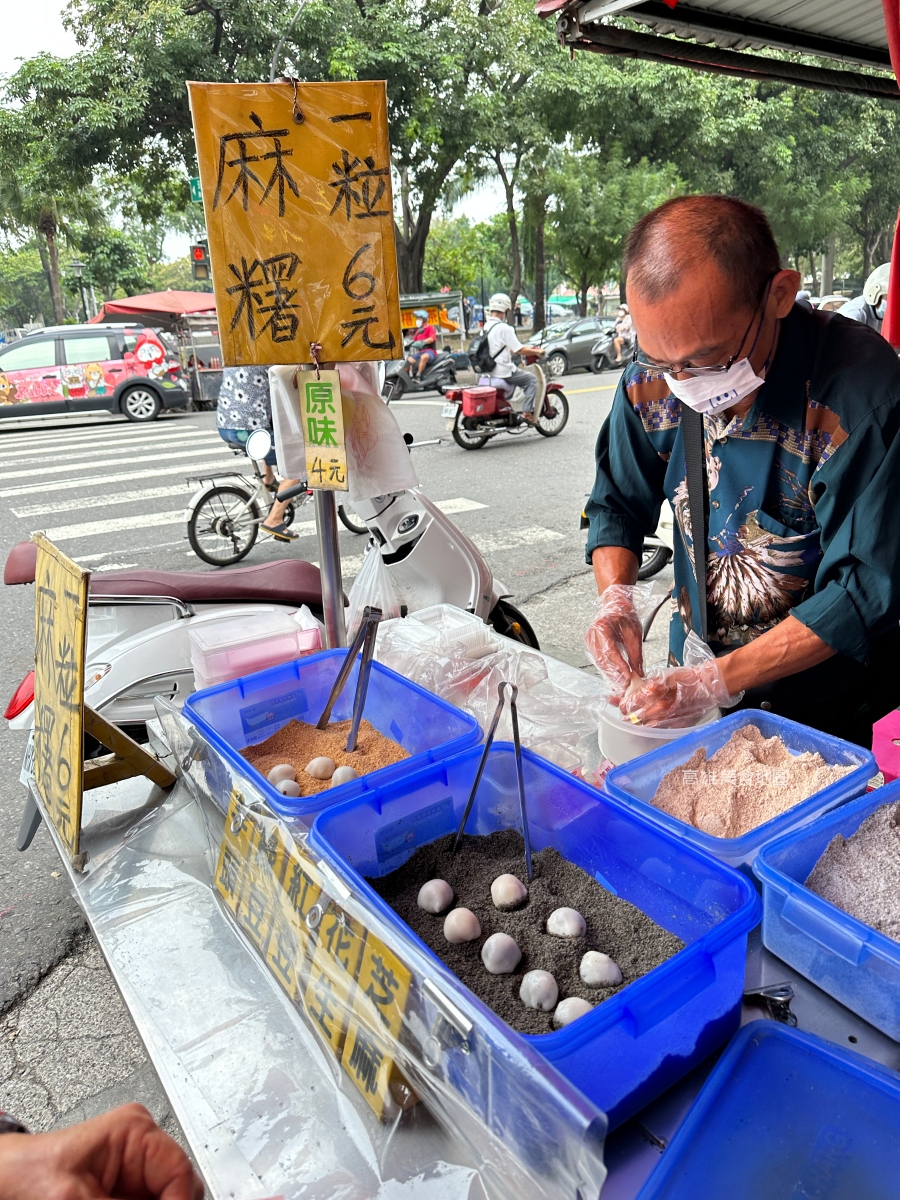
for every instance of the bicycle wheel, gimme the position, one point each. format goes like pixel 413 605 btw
pixel 350 520
pixel 223 527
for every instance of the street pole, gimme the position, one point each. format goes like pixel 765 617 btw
pixel 78 270
pixel 330 569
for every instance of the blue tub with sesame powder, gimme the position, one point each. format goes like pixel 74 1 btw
pixel 245 711
pixel 635 1044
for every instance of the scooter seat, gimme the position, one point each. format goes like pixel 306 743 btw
pixel 286 581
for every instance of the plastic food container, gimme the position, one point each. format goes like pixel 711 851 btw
pixel 226 647
pixel 849 960
pixel 785 1116
pixel 636 782
pixel 634 1045
pixel 245 711
pixel 621 740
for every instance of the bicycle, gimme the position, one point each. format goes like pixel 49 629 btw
pixel 224 517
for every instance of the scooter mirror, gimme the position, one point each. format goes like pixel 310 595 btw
pixel 259 443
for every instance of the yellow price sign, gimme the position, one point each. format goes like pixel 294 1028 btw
pixel 296 184
pixel 322 420
pixel 59 638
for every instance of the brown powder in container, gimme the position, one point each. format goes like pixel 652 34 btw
pixel 748 781
pixel 298 744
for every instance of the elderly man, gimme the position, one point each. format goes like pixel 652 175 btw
pixel 799 415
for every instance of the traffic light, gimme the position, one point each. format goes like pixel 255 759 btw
pixel 200 261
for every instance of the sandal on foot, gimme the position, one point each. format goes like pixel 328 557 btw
pixel 280 533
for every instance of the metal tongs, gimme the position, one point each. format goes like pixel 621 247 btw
pixel 365 637
pixel 514 717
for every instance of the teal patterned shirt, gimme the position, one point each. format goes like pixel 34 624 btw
pixel 804 490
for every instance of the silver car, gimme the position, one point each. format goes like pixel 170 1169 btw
pixel 572 349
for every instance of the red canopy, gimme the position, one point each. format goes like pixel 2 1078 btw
pixel 891 324
pixel 156 306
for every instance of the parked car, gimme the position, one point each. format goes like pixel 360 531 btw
pixel 88 368
pixel 573 348
pixel 551 332
pixel 830 303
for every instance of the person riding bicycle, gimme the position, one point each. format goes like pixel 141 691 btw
pixel 244 406
pixel 502 345
pixel 423 349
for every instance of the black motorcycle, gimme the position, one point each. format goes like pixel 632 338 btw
pixel 400 378
pixel 603 353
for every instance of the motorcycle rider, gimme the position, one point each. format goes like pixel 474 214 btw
pixel 424 343
pixel 624 332
pixel 870 306
pixel 502 345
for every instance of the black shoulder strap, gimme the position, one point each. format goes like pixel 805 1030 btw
pixel 698 507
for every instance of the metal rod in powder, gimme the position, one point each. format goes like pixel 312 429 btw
pixel 492 729
pixel 371 617
pixel 344 673
pixel 520 778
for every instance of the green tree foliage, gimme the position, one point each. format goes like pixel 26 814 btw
pixel 466 256
pixel 596 203
pixel 114 263
pixel 24 293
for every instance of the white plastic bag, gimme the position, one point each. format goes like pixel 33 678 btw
pixel 374 586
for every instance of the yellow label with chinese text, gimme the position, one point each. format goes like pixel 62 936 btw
pixel 299 210
pixel 322 421
pixel 61 589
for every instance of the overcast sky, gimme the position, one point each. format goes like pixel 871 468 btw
pixel 30 27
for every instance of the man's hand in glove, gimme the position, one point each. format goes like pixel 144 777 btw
pixel 614 640
pixel 678 694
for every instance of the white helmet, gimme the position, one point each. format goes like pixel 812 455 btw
pixel 877 285
pixel 499 302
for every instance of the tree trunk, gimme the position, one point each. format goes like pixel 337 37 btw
pixel 815 282
pixel 583 291
pixel 59 309
pixel 411 254
pixel 828 268
pixel 509 187
pixel 540 221
pixel 45 264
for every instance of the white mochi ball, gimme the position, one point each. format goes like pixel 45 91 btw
pixel 435 896
pixel 566 922
pixel 320 768
pixel 282 771
pixel 539 990
pixel 599 970
pixel 343 775
pixel 570 1010
pixel 508 891
pixel 500 954
pixel 288 787
pixel 461 925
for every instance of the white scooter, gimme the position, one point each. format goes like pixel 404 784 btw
pixel 138 620
pixel 660 546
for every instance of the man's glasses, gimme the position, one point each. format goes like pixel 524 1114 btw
pixel 719 368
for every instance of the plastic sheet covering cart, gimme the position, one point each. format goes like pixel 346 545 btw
pixel 329 1085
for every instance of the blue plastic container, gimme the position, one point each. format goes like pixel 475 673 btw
pixel 786 1116
pixel 242 712
pixel 635 1044
pixel 846 958
pixel 636 782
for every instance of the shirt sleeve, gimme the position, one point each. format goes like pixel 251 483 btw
pixel 628 486
pixel 856 595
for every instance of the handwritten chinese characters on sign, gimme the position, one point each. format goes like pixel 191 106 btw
pixel 322 420
pixel 59 635
pixel 300 219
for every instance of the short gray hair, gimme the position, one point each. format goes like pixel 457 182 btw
pixel 668 241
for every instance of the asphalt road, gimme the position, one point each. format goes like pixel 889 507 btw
pixel 112 494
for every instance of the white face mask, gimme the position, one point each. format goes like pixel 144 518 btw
pixel 709 394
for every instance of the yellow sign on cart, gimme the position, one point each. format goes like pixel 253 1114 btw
pixel 60 613
pixel 296 183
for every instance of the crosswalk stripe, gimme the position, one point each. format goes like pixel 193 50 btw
pixel 135 458
pixel 81 502
pixel 129 437
pixel 88 481
pixel 102 453
pixel 460 505
pixel 85 529
pixel 514 539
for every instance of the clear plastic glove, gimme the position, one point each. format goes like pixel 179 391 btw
pixel 614 640
pixel 676 696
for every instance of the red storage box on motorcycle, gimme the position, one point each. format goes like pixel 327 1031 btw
pixel 481 402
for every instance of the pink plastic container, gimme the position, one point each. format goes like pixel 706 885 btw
pixel 223 649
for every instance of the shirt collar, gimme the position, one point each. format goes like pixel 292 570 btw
pixel 783 394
